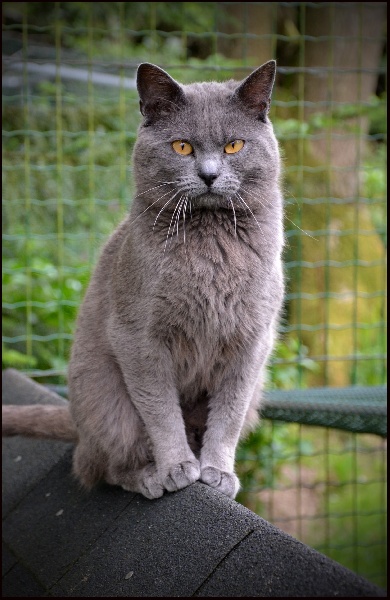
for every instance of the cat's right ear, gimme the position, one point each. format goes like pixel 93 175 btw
pixel 159 94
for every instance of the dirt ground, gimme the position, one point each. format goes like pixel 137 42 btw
pixel 293 509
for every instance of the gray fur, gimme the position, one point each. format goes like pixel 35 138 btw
pixel 180 315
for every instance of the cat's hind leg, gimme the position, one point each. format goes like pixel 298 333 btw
pixel 91 465
pixel 113 443
pixel 145 481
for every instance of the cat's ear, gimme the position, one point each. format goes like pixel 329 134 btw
pixel 254 93
pixel 159 94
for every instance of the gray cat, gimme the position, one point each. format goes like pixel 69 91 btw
pixel 180 315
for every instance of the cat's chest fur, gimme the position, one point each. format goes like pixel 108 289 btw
pixel 196 292
pixel 198 282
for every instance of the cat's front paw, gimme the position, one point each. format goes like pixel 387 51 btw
pixel 181 475
pixel 227 483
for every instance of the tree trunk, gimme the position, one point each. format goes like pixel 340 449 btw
pixel 252 25
pixel 339 317
pixel 343 69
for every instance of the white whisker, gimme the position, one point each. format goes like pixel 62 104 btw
pixel 252 195
pixel 184 219
pixel 150 206
pixel 234 216
pixel 178 219
pixel 166 204
pixel 303 231
pixel 245 204
pixel 154 188
pixel 178 206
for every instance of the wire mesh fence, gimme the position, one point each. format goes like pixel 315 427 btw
pixel 70 114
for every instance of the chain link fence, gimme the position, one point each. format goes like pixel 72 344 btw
pixel 316 467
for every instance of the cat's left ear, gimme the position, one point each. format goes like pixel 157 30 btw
pixel 255 91
pixel 159 94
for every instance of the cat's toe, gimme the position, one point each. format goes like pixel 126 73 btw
pixel 181 475
pixel 227 483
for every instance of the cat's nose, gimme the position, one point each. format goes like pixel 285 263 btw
pixel 208 171
pixel 208 178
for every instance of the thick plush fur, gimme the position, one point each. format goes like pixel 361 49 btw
pixel 180 315
pixel 50 422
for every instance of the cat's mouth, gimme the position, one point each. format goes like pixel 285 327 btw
pixel 210 199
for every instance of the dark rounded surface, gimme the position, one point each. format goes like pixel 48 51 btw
pixel 61 541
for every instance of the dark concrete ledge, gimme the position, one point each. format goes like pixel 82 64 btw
pixel 60 541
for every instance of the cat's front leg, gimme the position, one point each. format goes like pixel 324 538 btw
pixel 151 386
pixel 217 464
pixel 228 407
pixel 176 465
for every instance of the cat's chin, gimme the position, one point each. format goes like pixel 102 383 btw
pixel 210 201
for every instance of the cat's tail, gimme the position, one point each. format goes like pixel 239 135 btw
pixel 39 421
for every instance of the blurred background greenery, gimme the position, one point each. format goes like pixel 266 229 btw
pixel 70 115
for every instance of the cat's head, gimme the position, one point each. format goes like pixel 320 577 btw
pixel 209 142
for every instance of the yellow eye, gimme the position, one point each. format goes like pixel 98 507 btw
pixel 183 148
pixel 235 146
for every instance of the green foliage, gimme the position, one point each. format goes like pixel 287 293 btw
pixel 375 186
pixel 17 360
pixel 53 299
pixel 292 366
pixel 75 184
pixel 273 447
pixel 348 115
pixel 133 23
